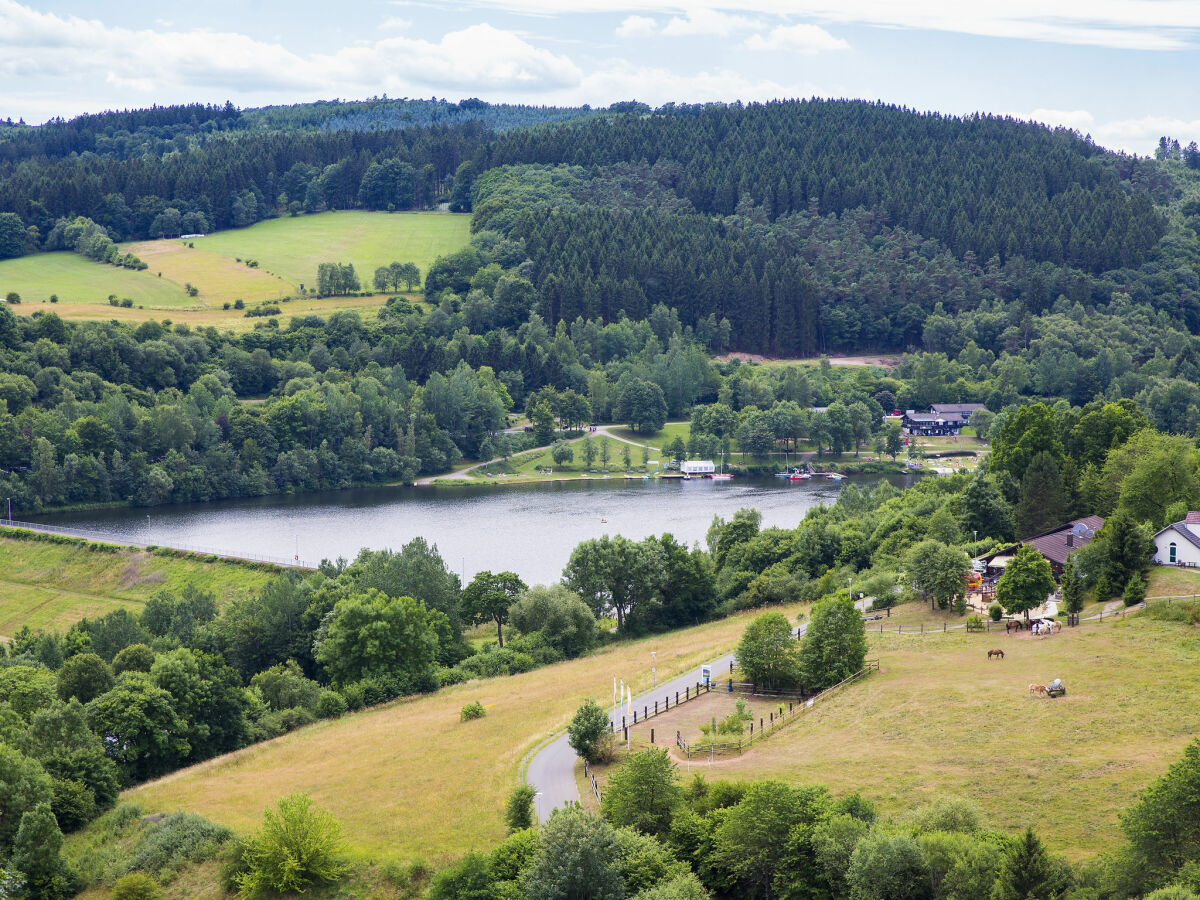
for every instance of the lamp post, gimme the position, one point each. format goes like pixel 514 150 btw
pixel 974 543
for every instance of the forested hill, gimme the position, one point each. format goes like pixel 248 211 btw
pixel 991 185
pixel 814 226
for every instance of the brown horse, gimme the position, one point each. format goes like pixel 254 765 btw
pixel 1013 625
pixel 1036 689
pixel 999 653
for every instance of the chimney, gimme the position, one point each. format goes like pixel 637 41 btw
pixel 1070 538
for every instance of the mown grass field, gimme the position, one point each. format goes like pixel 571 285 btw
pixel 52 585
pixel 408 779
pixel 287 251
pixel 290 248
pixel 941 718
pixel 80 282
pixel 1168 581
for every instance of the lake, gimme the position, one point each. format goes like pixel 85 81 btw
pixel 528 529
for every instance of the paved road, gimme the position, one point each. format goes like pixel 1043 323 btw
pixel 552 769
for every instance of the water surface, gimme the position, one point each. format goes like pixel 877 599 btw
pixel 528 529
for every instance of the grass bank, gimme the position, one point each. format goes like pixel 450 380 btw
pixel 54 583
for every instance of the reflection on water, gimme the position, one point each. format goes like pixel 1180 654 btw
pixel 530 529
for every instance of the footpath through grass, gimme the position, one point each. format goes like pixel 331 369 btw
pixel 51 585
pixel 408 779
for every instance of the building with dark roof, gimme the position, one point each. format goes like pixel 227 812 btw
pixel 1056 545
pixel 942 418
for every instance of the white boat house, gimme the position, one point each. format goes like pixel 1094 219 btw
pixel 697 467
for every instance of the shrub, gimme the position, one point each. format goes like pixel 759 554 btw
pixel 471 711
pixel 12 297
pixel 330 705
pixel 518 812
pixel 975 623
pixel 126 303
pixel 1135 590
pixel 181 838
pixel 54 298
pixel 239 303
pixel 588 726
pixel 136 886
pixel 298 845
pixel 995 611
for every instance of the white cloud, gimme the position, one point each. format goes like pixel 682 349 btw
pixel 796 39
pixel 708 22
pixel 621 80
pixel 97 65
pixel 1120 24
pixel 395 23
pixel 1141 135
pixel 476 57
pixel 637 27
pixel 1138 135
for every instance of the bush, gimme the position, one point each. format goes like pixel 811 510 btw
pixel 239 303
pixel 588 726
pixel 975 623
pixel 12 297
pixel 472 711
pixel 995 611
pixel 1135 590
pixel 518 812
pixel 1184 612
pixel 298 845
pixel 330 705
pixel 181 838
pixel 136 886
pixel 261 311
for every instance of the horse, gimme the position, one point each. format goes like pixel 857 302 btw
pixel 1036 689
pixel 992 653
pixel 1013 625
pixel 1056 627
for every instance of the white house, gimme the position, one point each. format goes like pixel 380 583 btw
pixel 697 467
pixel 1179 544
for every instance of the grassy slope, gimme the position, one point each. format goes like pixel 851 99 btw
pixel 409 779
pixel 52 585
pixel 290 248
pixel 81 281
pixel 941 718
pixel 287 250
pixel 1168 581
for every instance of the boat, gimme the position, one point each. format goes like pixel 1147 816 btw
pixel 799 476
pixel 836 476
pixel 722 475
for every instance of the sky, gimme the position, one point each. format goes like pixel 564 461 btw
pixel 1122 71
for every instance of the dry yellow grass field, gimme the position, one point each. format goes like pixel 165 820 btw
pixel 940 717
pixel 408 779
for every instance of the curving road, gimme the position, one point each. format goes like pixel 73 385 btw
pixel 552 769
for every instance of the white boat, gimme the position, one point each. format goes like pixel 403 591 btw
pixel 722 475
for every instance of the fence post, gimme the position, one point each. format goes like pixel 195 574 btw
pixel 652 735
pixel 635 717
pixel 626 735
pixel 622 721
pixel 889 612
pixel 751 729
pixel 760 723
pixel 677 698
pixel 612 727
pixel 731 667
pixel 731 685
pixel 943 628
pixel 645 710
pixel 656 707
pixel 687 693
pixel 772 718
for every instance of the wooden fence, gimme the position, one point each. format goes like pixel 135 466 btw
pixel 768 725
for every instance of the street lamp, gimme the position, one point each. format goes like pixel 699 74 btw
pixel 975 543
